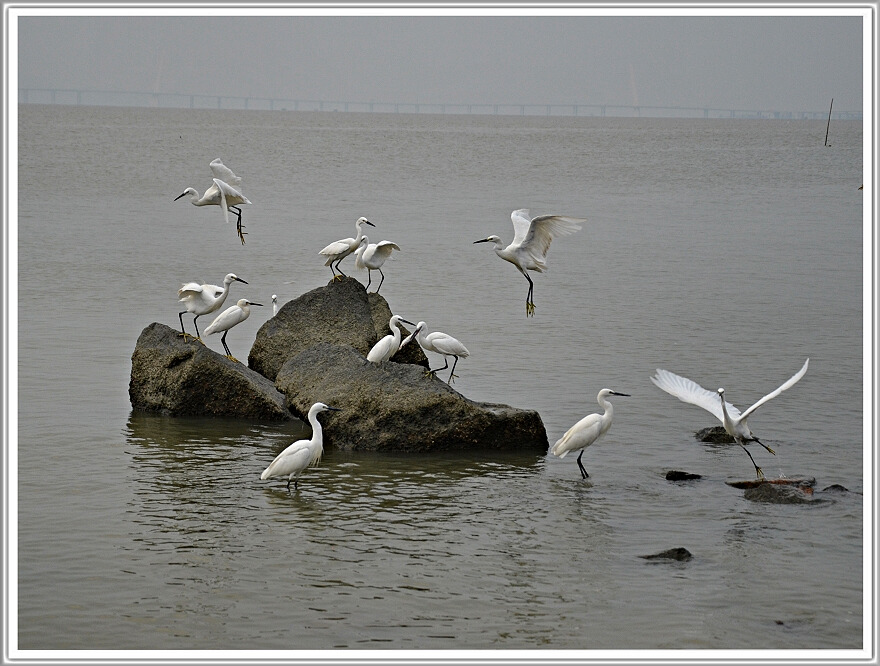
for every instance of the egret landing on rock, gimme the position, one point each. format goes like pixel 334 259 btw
pixel 531 241
pixel 202 299
pixel 339 250
pixel 293 460
pixel 371 256
pixel 229 318
pixel 735 423
pixel 587 431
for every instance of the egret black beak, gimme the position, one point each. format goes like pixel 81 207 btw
pixel 178 197
pixel 370 223
pixel 482 240
pixel 406 322
pixel 240 280
pixel 260 304
pixel 623 394
pixel 333 409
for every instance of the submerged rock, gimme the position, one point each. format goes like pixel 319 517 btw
pixel 341 313
pixel 677 554
pixel 714 435
pixel 773 493
pixel 394 407
pixel 676 475
pixel 178 378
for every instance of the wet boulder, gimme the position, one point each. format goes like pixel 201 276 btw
pixel 714 435
pixel 185 378
pixel 340 313
pixel 676 554
pixel 395 407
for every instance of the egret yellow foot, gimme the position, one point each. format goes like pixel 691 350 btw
pixel 233 359
pixel 530 309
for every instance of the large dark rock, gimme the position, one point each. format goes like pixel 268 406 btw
pixel 714 435
pixel 395 407
pixel 185 378
pixel 341 313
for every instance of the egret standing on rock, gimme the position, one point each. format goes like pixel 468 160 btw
pixel 225 192
pixel 735 423
pixel 293 460
pixel 388 346
pixel 339 250
pixel 441 343
pixel 202 299
pixel 371 256
pixel 229 318
pixel 274 305
pixel 587 431
pixel 531 241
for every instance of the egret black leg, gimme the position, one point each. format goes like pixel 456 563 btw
pixel 764 445
pixel 182 329
pixel 431 373
pixel 369 277
pixel 226 347
pixel 196 324
pixel 341 274
pixel 452 372
pixel 757 469
pixel 238 225
pixel 581 465
pixel 530 306
pixel 380 281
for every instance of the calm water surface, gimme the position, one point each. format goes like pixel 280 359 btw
pixel 726 251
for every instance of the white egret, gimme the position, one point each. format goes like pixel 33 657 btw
pixel 293 460
pixel 371 256
pixel 225 192
pixel 200 299
pixel 274 305
pixel 531 241
pixel 388 346
pixel 339 250
pixel 229 318
pixel 441 343
pixel 734 422
pixel 587 431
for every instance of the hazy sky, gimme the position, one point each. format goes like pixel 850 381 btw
pixel 794 63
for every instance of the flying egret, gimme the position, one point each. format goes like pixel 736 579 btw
pixel 339 250
pixel 587 431
pixel 735 423
pixel 388 346
pixel 229 318
pixel 441 343
pixel 274 305
pixel 293 460
pixel 372 255
pixel 202 299
pixel 225 192
pixel 531 241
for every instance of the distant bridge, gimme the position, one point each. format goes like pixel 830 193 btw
pixel 194 101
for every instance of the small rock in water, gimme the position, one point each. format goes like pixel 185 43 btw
pixel 678 554
pixel 677 475
pixel 835 488
pixel 714 435
pixel 774 493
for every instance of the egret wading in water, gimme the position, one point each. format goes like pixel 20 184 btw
pixel 200 299
pixel 339 250
pixel 713 402
pixel 390 344
pixel 229 318
pixel 441 343
pixel 293 460
pixel 225 192
pixel 371 256
pixel 531 240
pixel 587 431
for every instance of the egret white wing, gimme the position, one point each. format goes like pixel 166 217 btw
pixel 787 385
pixel 521 222
pixel 689 391
pixel 190 289
pixel 224 173
pixel 545 228
pixel 446 344
pixel 296 456
pixel 337 247
pixel 587 429
pixel 384 249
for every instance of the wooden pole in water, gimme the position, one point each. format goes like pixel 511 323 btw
pixel 828 126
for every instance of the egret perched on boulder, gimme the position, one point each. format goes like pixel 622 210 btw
pixel 293 460
pixel 200 299
pixel 229 318
pixel 531 240
pixel 225 192
pixel 713 402
pixel 371 256
pixel 441 343
pixel 388 346
pixel 274 305
pixel 339 250
pixel 587 431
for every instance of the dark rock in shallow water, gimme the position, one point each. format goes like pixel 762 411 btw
pixel 714 435
pixel 774 493
pixel 341 313
pixel 677 554
pixel 835 488
pixel 676 475
pixel 395 407
pixel 180 378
